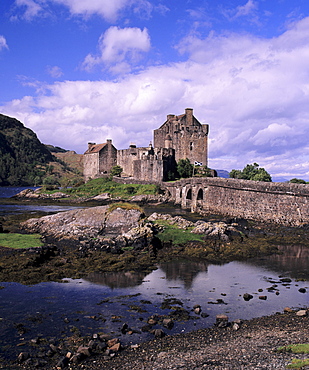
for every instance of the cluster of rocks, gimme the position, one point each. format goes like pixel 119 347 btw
pixel 222 231
pixel 36 194
pixel 66 354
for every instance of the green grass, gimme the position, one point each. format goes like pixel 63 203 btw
pixel 296 348
pixel 175 234
pixel 104 185
pixel 123 205
pixel 298 364
pixel 20 241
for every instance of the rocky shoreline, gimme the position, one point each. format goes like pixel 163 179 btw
pixel 252 344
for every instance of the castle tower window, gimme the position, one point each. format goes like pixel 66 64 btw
pixel 191 146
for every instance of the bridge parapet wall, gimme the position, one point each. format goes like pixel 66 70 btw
pixel 282 203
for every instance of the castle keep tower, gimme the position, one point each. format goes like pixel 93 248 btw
pixel 186 135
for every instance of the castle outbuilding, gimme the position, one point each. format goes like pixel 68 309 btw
pixel 179 137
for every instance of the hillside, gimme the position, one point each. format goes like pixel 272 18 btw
pixel 24 160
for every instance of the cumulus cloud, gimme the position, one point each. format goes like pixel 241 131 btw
pixel 118 48
pixel 3 44
pixel 253 92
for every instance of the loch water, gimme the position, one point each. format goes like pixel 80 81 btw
pixel 104 302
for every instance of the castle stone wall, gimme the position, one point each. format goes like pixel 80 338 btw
pixel 127 157
pixel 107 158
pixel 91 168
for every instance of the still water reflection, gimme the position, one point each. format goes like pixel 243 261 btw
pixel 91 305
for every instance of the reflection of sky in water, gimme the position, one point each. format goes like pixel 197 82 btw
pixel 22 208
pixel 80 300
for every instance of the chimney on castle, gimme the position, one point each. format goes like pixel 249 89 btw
pixel 170 116
pixel 90 145
pixel 189 116
pixel 108 141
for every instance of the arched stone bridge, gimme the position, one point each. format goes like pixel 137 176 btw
pixel 282 203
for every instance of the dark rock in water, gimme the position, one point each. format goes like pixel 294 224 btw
pixel 285 280
pixel 302 290
pixel 247 296
pixel 168 323
pixel 197 309
pixel 222 321
pixel 263 297
pixel 23 356
pixel 158 333
pixel 63 363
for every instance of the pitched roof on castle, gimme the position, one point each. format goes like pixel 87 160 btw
pixel 95 148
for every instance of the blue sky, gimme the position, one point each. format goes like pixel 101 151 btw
pixel 76 71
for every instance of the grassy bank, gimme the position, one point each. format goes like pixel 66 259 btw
pixel 20 241
pixel 104 185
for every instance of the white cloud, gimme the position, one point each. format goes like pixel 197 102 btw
pixel 274 134
pixel 253 92
pixel 118 48
pixel 54 71
pixel 248 8
pixel 3 44
pixel 31 8
pixel 107 9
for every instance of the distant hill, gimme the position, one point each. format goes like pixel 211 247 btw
pixel 24 160
pixel 55 149
pixel 223 173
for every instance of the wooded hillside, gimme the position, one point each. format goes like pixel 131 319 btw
pixel 24 160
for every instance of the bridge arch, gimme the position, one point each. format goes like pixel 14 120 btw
pixel 200 194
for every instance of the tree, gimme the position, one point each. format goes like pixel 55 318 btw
pixel 251 172
pixel 235 174
pixel 184 168
pixel 297 181
pixel 116 171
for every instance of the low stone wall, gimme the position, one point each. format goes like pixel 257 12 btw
pixel 131 180
pixel 282 203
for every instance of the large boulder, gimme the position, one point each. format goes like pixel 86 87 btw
pixel 85 223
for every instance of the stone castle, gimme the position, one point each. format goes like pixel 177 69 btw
pixel 179 137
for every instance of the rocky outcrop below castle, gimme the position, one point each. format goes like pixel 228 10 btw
pixel 120 228
pixel 96 227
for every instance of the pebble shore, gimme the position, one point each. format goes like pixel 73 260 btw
pixel 253 346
